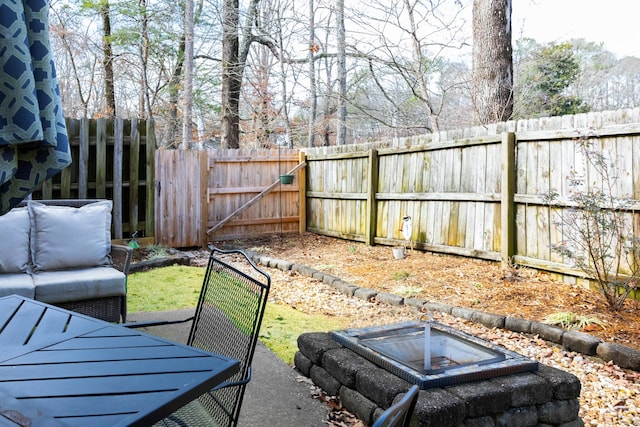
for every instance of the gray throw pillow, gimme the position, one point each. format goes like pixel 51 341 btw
pixel 14 244
pixel 64 237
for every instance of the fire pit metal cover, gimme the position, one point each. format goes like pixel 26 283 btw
pixel 456 357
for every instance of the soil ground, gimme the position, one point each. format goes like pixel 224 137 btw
pixel 458 281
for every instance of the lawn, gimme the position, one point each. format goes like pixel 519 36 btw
pixel 178 287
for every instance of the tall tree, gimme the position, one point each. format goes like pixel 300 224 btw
pixel 544 79
pixel 313 90
pixel 187 92
pixel 107 50
pixel 234 57
pixel 341 134
pixel 492 89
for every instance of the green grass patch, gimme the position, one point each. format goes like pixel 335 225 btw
pixel 282 325
pixel 178 287
pixel 401 275
pixel 167 288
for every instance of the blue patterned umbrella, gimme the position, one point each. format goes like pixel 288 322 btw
pixel 33 137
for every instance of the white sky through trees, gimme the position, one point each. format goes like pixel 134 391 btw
pixel 612 22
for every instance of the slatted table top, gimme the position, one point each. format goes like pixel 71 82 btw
pixel 58 367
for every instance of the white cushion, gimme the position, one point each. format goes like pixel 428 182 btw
pixel 14 244
pixel 64 237
pixel 79 285
pixel 17 283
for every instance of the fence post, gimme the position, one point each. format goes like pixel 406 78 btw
pixel 101 158
pixel 302 194
pixel 118 161
pixel 83 161
pixel 150 181
pixel 508 225
pixel 370 232
pixel 134 181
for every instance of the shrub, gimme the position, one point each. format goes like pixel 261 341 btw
pixel 597 226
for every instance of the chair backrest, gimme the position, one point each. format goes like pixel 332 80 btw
pixel 399 414
pixel 227 321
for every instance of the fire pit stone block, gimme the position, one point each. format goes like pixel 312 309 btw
pixel 325 380
pixel 481 398
pixel 359 405
pixel 438 407
pixel 558 411
pixel 313 345
pixel 380 386
pixel 525 389
pixel 344 364
pixel 522 417
pixel 563 384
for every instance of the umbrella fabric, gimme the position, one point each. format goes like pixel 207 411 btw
pixel 33 137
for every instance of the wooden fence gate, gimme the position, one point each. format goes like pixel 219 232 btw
pixel 180 187
pixel 225 194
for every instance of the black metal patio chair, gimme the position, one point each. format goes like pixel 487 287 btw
pixel 226 321
pixel 399 414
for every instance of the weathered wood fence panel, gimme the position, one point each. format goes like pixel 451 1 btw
pixel 451 190
pixel 181 198
pixel 479 193
pixel 112 159
pixel 235 177
pixel 546 163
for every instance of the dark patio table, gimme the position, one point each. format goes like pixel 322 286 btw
pixel 58 367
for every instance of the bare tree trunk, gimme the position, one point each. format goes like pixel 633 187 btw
pixel 174 97
pixel 492 61
pixel 144 104
pixel 234 58
pixel 107 50
pixel 230 79
pixel 341 135
pixel 284 88
pixel 313 90
pixel 187 92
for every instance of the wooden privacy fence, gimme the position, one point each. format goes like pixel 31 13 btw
pixel 471 192
pixel 111 159
pixel 477 196
pixel 204 196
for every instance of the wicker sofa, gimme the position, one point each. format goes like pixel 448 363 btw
pixel 60 252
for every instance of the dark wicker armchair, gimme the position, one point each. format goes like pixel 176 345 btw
pixel 227 321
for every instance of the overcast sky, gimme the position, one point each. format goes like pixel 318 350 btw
pixel 614 22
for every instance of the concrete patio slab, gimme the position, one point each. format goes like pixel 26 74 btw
pixel 274 397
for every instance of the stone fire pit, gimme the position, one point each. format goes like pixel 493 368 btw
pixel 547 396
pixel 454 357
